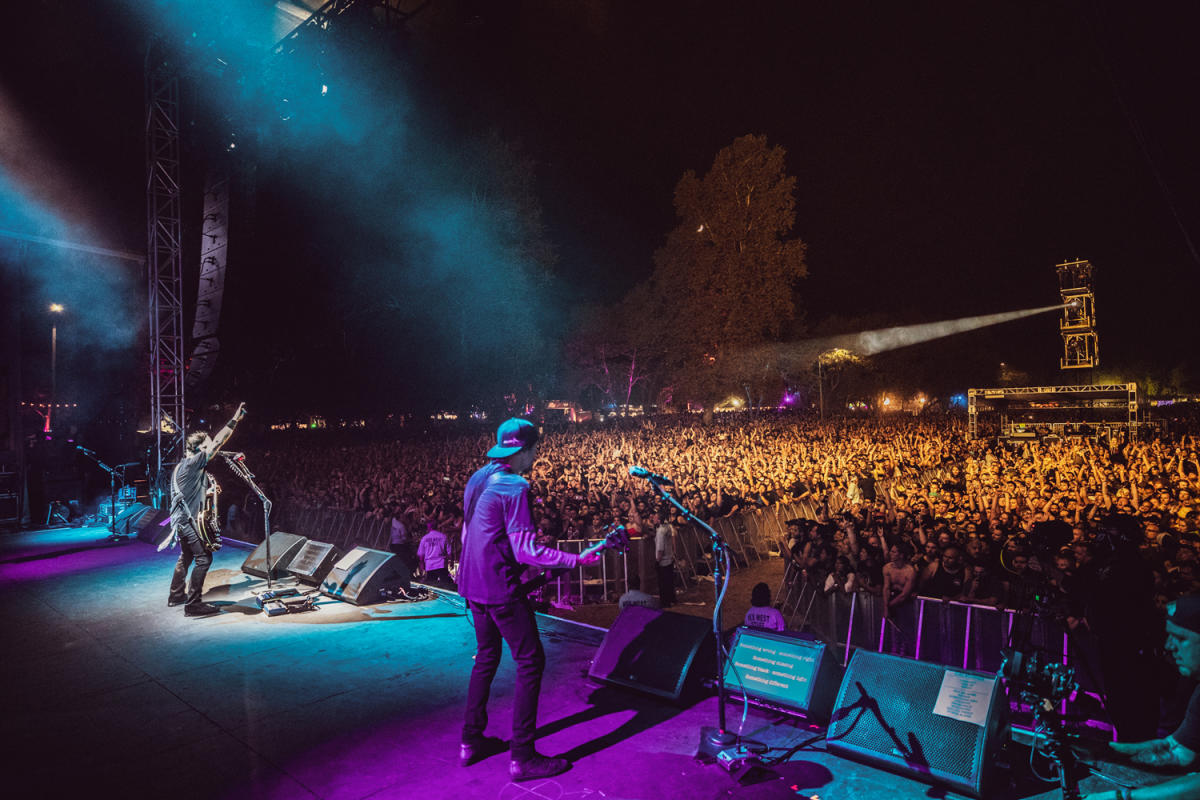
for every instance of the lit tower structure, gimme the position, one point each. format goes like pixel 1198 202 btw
pixel 164 234
pixel 1081 348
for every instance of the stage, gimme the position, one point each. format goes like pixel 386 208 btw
pixel 109 690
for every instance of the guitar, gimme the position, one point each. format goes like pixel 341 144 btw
pixel 615 538
pixel 208 521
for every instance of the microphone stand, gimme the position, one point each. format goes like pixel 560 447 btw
pixel 712 740
pixel 112 494
pixel 240 469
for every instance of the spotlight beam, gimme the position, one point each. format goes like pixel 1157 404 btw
pixel 86 248
pixel 879 341
pixel 801 355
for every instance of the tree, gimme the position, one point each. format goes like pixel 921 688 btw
pixel 603 351
pixel 724 281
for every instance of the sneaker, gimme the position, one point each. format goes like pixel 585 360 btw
pixel 176 601
pixel 200 610
pixel 537 766
pixel 474 752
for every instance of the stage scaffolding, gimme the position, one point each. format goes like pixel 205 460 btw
pixel 1081 343
pixel 164 265
pixel 1036 411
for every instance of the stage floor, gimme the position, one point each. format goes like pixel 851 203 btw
pixel 106 688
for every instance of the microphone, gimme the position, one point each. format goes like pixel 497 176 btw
pixel 642 472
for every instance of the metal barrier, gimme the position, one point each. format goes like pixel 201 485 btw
pixel 602 582
pixel 344 529
pixel 956 634
pixel 949 632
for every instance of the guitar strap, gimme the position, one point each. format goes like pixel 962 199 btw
pixel 475 500
pixel 176 500
pixel 176 497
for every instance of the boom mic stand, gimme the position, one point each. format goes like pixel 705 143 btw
pixel 112 492
pixel 712 740
pixel 237 463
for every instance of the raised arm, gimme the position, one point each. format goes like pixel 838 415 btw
pixel 213 445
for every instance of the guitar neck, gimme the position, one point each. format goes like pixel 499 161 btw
pixel 598 547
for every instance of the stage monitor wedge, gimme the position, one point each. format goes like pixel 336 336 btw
pixel 363 576
pixel 783 671
pixel 284 547
pixel 129 519
pixel 313 562
pixel 152 526
pixel 657 652
pixel 926 721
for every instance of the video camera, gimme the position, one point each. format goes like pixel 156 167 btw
pixel 1034 674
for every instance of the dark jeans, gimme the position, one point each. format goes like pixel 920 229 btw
pixel 407 554
pixel 190 552
pixel 900 637
pixel 440 576
pixel 666 584
pixel 515 623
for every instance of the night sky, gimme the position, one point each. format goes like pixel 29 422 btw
pixel 947 156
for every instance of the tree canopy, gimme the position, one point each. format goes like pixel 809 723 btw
pixel 724 281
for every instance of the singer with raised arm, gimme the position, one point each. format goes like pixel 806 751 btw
pixel 190 525
pixel 498 539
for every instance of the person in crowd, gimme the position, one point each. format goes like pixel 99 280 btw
pixel 899 587
pixel 982 586
pixel 188 484
pixel 401 540
pixel 664 559
pixel 434 554
pixel 946 576
pixel 1025 585
pixel 842 579
pixel 634 596
pixel 498 538
pixel 762 614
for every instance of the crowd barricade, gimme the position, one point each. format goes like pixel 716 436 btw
pixel 604 581
pixel 344 529
pixel 956 634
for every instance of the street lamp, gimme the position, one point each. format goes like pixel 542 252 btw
pixel 55 308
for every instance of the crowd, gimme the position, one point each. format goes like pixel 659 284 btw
pixel 1098 533
pixel 902 506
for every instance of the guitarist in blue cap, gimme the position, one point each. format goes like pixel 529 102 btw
pixel 498 541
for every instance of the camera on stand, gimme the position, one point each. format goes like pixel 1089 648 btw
pixel 1037 677
pixel 1041 682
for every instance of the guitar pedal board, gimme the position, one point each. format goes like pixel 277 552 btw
pixel 289 605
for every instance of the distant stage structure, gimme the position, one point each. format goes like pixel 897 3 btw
pixel 1081 343
pixel 1037 412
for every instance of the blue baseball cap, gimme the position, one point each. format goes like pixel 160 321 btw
pixel 513 436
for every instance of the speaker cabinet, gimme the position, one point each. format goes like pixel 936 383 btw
pixel 284 547
pixel 657 652
pixel 151 525
pixel 786 672
pixel 128 518
pixel 363 575
pixel 923 720
pixel 313 562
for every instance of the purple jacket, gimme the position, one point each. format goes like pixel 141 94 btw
pixel 498 537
